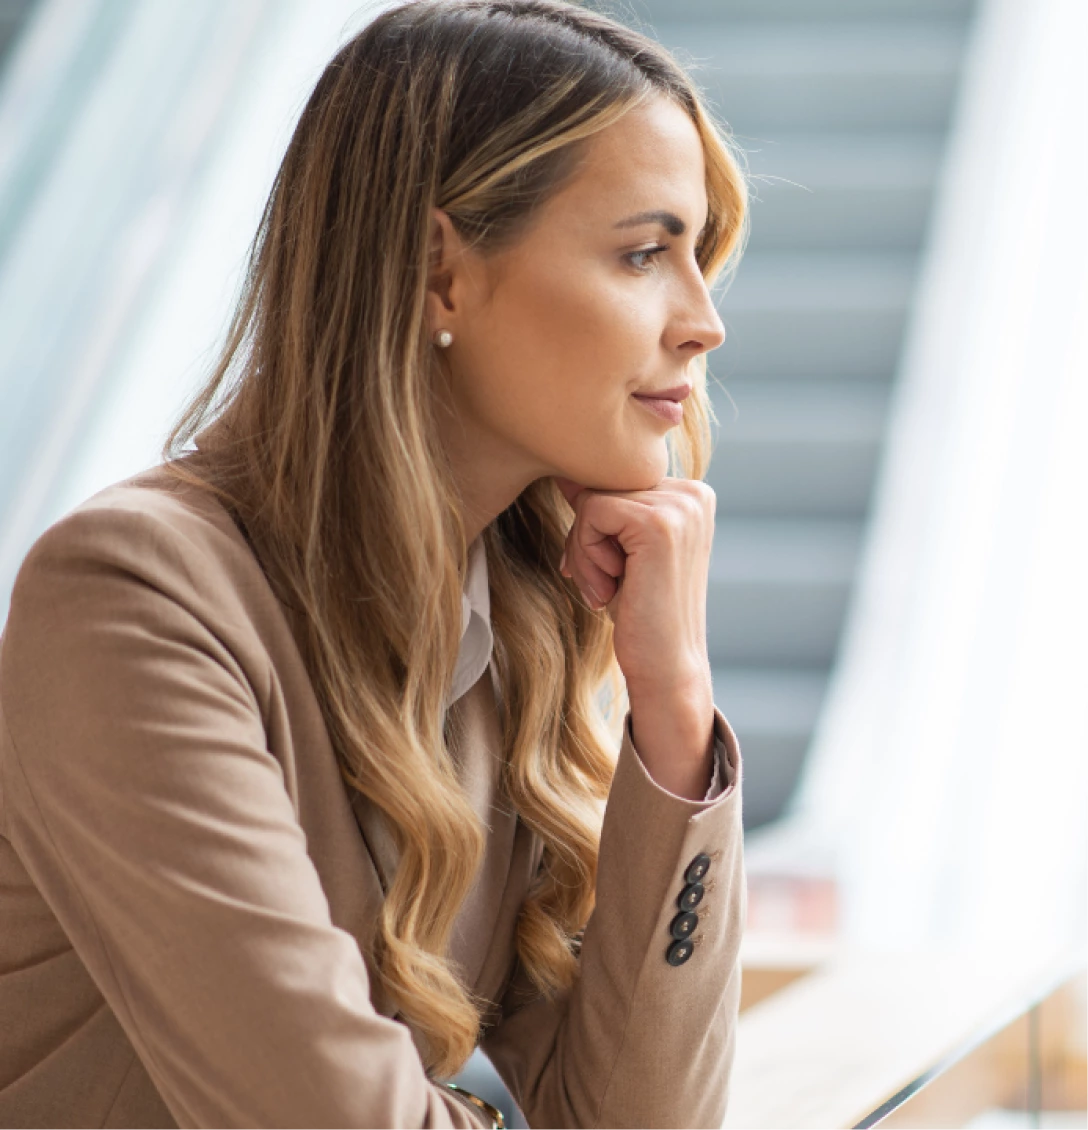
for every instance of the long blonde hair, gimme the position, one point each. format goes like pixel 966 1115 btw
pixel 330 455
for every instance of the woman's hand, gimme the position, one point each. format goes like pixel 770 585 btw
pixel 645 556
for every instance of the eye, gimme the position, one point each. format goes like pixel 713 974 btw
pixel 642 260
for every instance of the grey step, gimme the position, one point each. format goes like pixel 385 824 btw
pixel 777 590
pixel 764 78
pixel 789 448
pixel 846 192
pixel 951 11
pixel 831 316
pixel 772 712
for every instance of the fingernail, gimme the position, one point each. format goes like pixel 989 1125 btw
pixel 591 598
pixel 563 562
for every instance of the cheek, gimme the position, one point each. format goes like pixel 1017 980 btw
pixel 574 338
pixel 554 360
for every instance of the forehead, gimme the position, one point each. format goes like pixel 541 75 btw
pixel 651 159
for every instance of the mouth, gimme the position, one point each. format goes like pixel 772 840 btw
pixel 665 404
pixel 663 408
pixel 677 392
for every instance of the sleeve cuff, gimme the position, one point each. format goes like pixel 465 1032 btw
pixel 720 774
pixel 726 762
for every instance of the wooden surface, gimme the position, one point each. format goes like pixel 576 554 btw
pixel 851 1031
pixel 771 960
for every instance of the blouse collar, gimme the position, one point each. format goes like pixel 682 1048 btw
pixel 477 640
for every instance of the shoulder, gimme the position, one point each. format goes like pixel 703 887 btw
pixel 150 573
pixel 143 602
pixel 146 523
pixel 152 533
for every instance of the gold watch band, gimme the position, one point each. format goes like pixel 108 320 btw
pixel 492 1112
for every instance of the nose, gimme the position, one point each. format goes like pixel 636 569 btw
pixel 696 327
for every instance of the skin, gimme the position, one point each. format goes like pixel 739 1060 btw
pixel 552 335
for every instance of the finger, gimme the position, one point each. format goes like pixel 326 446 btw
pixel 593 559
pixel 607 518
pixel 650 497
pixel 596 586
pixel 604 552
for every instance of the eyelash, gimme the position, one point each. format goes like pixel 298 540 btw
pixel 630 256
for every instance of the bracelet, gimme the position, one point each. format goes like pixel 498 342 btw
pixel 492 1112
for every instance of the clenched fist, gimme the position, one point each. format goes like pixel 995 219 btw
pixel 645 557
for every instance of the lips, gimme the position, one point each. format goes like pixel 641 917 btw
pixel 664 408
pixel 676 393
pixel 665 403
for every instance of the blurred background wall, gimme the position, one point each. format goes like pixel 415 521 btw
pixel 949 769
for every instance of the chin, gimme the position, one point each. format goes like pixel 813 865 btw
pixel 642 473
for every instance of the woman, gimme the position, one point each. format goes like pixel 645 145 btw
pixel 307 789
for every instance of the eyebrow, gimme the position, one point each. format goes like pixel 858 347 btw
pixel 670 221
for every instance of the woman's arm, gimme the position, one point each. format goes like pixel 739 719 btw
pixel 142 798
pixel 646 1035
pixel 639 1041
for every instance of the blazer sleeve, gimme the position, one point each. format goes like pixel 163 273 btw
pixel 638 1040
pixel 141 797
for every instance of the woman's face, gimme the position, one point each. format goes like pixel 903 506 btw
pixel 599 300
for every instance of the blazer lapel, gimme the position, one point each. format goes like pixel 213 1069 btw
pixel 356 873
pixel 377 836
pixel 476 746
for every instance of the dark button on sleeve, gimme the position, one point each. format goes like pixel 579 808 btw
pixel 691 896
pixel 697 868
pixel 683 925
pixel 679 952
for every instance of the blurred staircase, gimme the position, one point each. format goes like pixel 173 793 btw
pixel 843 106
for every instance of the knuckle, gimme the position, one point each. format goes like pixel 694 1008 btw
pixel 687 512
pixel 703 494
pixel 702 504
pixel 662 520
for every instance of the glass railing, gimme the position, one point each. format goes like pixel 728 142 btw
pixel 915 1042
pixel 1025 1069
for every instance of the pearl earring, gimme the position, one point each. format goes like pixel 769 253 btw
pixel 443 339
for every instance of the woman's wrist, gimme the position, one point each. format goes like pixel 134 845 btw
pixel 673 733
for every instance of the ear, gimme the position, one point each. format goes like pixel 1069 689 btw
pixel 446 273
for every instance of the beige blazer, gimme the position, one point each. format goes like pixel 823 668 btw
pixel 188 886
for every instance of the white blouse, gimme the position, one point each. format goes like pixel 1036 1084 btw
pixel 477 642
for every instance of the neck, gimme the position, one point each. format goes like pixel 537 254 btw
pixel 485 493
pixel 489 476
